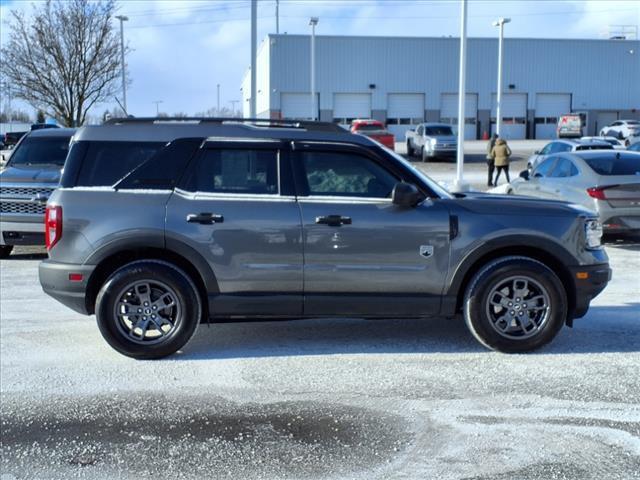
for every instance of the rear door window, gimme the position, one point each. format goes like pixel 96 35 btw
pixel 239 171
pixel 618 164
pixel 107 162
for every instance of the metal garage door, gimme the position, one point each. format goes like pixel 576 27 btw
pixel 549 107
pixel 603 119
pixel 404 111
pixel 514 115
pixel 348 106
pixel 449 113
pixel 296 105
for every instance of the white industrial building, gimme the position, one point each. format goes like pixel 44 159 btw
pixel 406 80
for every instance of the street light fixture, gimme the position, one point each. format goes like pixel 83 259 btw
pixel 157 102
pixel 123 19
pixel 499 23
pixel 313 21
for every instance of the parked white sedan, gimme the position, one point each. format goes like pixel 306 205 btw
pixel 606 181
pixel 621 129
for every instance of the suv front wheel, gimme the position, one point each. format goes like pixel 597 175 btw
pixel 148 309
pixel 515 304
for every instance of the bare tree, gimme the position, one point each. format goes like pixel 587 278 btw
pixel 64 58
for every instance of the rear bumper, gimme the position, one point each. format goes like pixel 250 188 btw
pixel 54 279
pixel 597 278
pixel 622 224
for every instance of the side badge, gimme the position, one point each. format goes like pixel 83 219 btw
pixel 426 250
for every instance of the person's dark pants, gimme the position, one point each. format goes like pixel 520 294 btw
pixel 491 167
pixel 506 172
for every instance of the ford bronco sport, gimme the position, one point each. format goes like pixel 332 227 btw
pixel 161 225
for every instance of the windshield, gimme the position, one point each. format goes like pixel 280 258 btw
pixel 618 164
pixel 439 131
pixel 432 184
pixel 40 151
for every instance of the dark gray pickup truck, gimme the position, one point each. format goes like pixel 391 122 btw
pixel 30 175
pixel 160 225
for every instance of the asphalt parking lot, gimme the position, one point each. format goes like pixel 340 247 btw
pixel 341 398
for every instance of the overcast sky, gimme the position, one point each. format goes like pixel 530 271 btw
pixel 182 48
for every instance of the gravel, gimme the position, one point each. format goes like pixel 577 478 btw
pixel 339 398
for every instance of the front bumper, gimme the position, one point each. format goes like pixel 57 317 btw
pixel 589 281
pixel 55 281
pixel 444 152
pixel 27 231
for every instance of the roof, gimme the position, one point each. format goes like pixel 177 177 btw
pixel 166 130
pixel 52 132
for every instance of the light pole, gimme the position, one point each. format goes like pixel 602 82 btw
pixel 218 105
pixel 254 36
pixel 123 19
pixel 499 23
pixel 233 107
pixel 313 21
pixel 157 102
pixel 459 185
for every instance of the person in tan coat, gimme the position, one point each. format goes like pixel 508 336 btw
pixel 500 154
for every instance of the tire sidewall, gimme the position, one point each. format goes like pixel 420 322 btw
pixel 187 297
pixel 482 284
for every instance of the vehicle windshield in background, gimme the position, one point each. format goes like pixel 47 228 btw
pixel 438 131
pixel 40 151
pixel 621 164
pixel 369 128
pixel 600 146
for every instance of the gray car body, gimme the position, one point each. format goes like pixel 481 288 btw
pixel 270 258
pixel 621 208
pixel 24 191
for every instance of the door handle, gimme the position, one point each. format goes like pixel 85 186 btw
pixel 204 218
pixel 333 220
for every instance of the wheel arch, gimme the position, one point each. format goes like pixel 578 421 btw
pixel 554 259
pixel 186 259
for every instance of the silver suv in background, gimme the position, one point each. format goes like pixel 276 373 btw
pixel 561 146
pixel 26 182
pixel 431 140
pixel 158 226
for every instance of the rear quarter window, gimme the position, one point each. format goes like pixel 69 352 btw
pixel 105 163
pixel 619 164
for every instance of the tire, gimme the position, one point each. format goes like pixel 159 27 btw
pixel 533 325
pixel 5 251
pixel 176 314
pixel 410 151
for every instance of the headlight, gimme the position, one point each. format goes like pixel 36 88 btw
pixel 593 233
pixel 433 141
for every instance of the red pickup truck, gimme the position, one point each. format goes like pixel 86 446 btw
pixel 374 129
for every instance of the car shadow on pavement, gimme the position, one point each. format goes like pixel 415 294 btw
pixel 605 329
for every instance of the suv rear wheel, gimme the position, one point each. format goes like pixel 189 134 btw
pixel 515 304
pixel 148 309
pixel 5 251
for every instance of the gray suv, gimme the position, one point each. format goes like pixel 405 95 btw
pixel 161 225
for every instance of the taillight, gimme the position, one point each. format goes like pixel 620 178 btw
pixel 599 192
pixel 52 225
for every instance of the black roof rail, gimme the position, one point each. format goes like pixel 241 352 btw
pixel 255 122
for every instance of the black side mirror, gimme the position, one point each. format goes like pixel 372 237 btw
pixel 406 195
pixel 524 174
pixel 537 152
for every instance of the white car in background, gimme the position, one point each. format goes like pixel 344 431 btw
pixel 621 129
pixel 616 143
